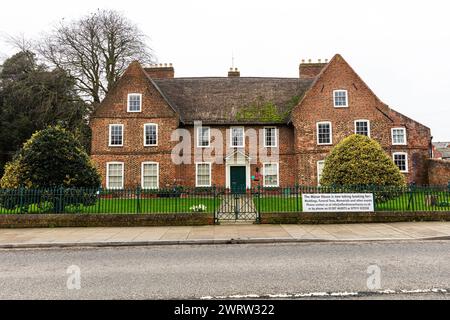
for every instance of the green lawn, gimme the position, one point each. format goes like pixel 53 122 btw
pixel 278 204
pixel 416 202
pixel 401 203
pixel 153 205
pixel 270 203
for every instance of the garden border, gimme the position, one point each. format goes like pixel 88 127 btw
pixel 353 217
pixel 104 220
pixel 198 219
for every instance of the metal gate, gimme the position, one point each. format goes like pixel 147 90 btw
pixel 236 206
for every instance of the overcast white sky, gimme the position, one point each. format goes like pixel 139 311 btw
pixel 400 48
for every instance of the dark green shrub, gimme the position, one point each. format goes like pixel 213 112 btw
pixel 51 158
pixel 359 164
pixel 51 170
pixel 360 161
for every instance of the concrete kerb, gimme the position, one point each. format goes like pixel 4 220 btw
pixel 112 244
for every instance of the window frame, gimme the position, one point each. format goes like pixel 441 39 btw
pixel 198 137
pixel 317 169
pixel 196 175
pixel 264 174
pixel 346 98
pixel 110 135
pixel 368 126
pixel 142 175
pixel 317 133
pixel 107 174
pixel 405 136
pixel 145 134
pixel 406 161
pixel 140 102
pixel 275 139
pixel 243 136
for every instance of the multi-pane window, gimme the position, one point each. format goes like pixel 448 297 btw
pixel 320 166
pixel 237 137
pixel 150 134
pixel 270 175
pixel 362 127
pixel 114 175
pixel 150 175
pixel 401 161
pixel 324 133
pixel 203 137
pixel 116 135
pixel 270 137
pixel 340 98
pixel 399 136
pixel 134 102
pixel 203 174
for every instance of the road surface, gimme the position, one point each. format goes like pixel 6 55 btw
pixel 407 270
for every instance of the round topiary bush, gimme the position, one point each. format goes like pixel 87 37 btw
pixel 360 161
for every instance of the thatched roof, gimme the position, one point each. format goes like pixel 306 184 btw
pixel 233 100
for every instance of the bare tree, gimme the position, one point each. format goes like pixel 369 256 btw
pixel 95 50
pixel 18 42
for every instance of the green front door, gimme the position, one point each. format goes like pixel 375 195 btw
pixel 237 179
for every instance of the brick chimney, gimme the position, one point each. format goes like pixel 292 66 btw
pixel 309 70
pixel 234 72
pixel 160 71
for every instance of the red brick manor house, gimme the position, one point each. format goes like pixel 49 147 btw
pixel 298 119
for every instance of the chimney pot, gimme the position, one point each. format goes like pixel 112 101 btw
pixel 310 70
pixel 161 70
pixel 234 73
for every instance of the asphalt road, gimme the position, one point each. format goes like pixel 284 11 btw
pixel 316 270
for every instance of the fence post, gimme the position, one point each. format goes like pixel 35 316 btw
pixel 138 196
pixel 214 204
pixel 296 196
pixel 411 196
pixel 374 198
pixel 259 202
pixel 60 200
pixel 99 198
pixel 21 199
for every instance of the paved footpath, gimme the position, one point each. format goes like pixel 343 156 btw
pixel 219 234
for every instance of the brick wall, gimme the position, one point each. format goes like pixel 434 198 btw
pixel 318 105
pixel 160 71
pixel 310 70
pixel 113 110
pixel 438 172
pixel 297 145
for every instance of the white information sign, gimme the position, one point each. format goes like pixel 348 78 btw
pixel 338 202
